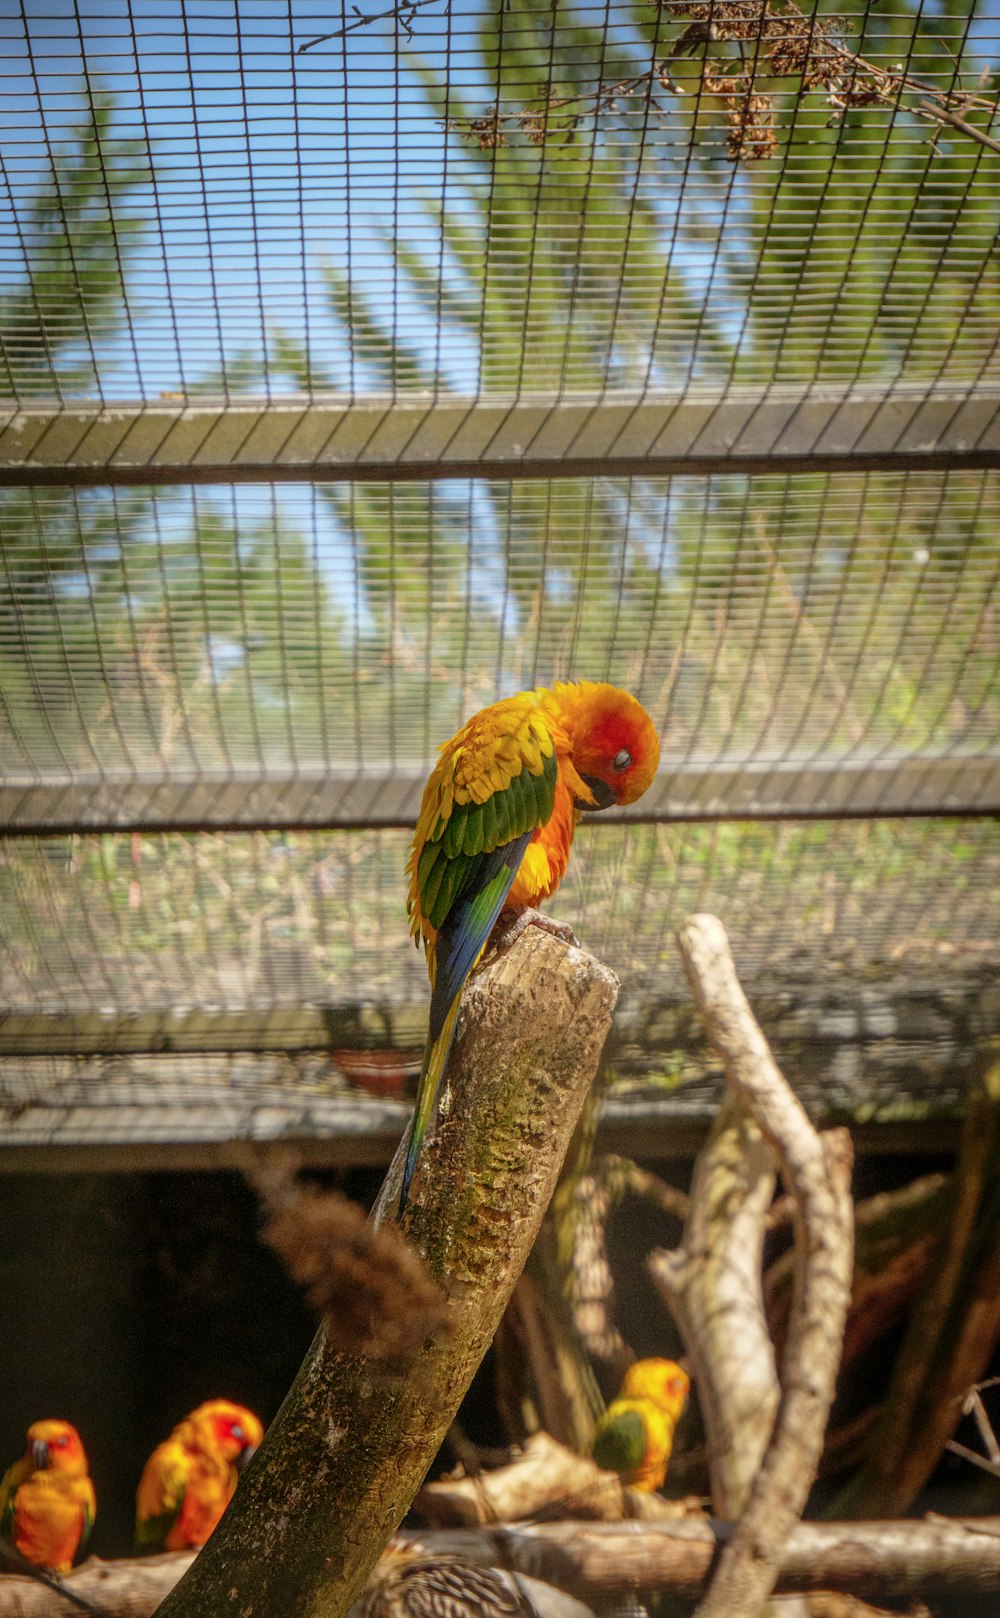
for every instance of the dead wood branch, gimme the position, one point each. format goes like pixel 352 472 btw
pixel 712 1286
pixel 545 1478
pixel 130 1588
pixel 596 1193
pixel 895 1234
pixel 879 1561
pixel 342 1461
pixel 565 1399
pixel 816 1171
pixel 952 1332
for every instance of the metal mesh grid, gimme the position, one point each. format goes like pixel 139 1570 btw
pixel 258 218
pixel 787 633
pixel 504 242
pixel 869 949
pixel 181 925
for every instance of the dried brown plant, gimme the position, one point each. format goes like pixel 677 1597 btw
pixel 780 50
pixel 370 1284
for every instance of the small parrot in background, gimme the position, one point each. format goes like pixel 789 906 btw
pixel 636 1433
pixel 47 1501
pixel 495 831
pixel 190 1478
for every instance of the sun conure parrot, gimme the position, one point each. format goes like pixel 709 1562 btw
pixel 47 1501
pixel 636 1433
pixel 190 1478
pixel 495 830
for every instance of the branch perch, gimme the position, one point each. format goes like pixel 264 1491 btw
pixel 545 1479
pixel 883 1561
pixel 348 1450
pixel 816 1171
pixel 712 1285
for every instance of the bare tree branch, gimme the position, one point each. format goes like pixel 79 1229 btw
pixel 816 1171
pixel 545 1479
pixel 712 1286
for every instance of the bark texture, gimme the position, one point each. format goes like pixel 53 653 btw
pixel 344 1457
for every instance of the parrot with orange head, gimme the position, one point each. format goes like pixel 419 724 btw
pixel 635 1436
pixel 47 1501
pixel 495 831
pixel 190 1478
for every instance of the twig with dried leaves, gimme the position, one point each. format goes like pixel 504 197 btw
pixel 774 41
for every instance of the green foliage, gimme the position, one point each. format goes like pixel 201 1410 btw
pixel 80 234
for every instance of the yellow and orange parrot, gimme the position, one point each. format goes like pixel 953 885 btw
pixel 495 830
pixel 47 1501
pixel 190 1478
pixel 636 1433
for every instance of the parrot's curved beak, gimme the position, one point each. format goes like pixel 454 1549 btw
pixel 245 1457
pixel 41 1460
pixel 604 797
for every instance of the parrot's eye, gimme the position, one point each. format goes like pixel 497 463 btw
pixel 237 1432
pixel 621 760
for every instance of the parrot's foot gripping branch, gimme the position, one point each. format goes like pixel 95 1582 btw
pixel 513 923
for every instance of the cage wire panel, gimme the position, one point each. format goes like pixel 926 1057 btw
pixel 342 363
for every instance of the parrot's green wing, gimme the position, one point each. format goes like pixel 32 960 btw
pixel 89 1513
pixel 620 1444
pixel 465 872
pixel 159 1500
pixel 151 1533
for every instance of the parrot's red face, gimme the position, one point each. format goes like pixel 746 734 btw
pixel 236 1431
pixel 55 1446
pixel 613 743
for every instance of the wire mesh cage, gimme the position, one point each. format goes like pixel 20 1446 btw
pixel 362 368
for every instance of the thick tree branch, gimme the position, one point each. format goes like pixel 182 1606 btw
pixel 348 1450
pixel 883 1561
pixel 816 1172
pixel 712 1285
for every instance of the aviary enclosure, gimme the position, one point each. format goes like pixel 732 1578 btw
pixel 362 366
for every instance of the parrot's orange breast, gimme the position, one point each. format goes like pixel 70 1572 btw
pixel 49 1512
pixel 209 1491
pixel 547 855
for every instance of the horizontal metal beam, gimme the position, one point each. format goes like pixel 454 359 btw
pixel 341 1133
pixel 702 429
pixel 283 800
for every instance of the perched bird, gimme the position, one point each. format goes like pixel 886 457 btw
pixel 636 1433
pixel 407 1582
pixel 190 1478
pixel 495 830
pixel 47 1501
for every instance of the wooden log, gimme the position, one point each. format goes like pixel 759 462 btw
pixel 545 1477
pixel 348 1450
pixel 132 1587
pixel 880 1561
